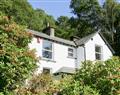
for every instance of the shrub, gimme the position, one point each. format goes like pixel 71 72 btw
pixel 38 85
pixel 94 78
pixel 17 62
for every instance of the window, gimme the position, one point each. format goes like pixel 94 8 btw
pixel 46 71
pixel 70 52
pixel 98 52
pixel 47 49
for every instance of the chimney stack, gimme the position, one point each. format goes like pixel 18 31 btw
pixel 49 30
pixel 52 31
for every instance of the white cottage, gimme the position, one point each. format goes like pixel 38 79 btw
pixel 60 55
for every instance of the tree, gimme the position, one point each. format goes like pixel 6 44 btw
pixel 87 16
pixel 20 10
pixel 92 17
pixel 17 62
pixel 63 27
pixel 24 14
pixel 111 22
pixel 40 19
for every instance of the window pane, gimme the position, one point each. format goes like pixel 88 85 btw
pixel 98 56
pixel 98 49
pixel 98 52
pixel 70 54
pixel 47 45
pixel 47 54
pixel 70 49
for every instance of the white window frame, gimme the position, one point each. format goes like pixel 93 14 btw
pixel 43 49
pixel 99 53
pixel 70 52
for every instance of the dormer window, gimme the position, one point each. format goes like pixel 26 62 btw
pixel 47 51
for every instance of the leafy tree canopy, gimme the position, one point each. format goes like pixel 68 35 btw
pixel 88 15
pixel 24 14
pixel 64 28
pixel 92 17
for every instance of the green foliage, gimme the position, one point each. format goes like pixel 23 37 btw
pixel 36 19
pixel 91 17
pixel 69 86
pixel 24 14
pixel 17 62
pixel 41 84
pixel 87 18
pixel 95 78
pixel 39 20
pixel 20 10
pixel 111 20
pixel 64 28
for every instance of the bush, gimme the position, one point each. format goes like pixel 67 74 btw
pixel 95 78
pixel 38 85
pixel 17 62
pixel 73 87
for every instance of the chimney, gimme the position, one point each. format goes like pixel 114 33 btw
pixel 49 30
pixel 52 31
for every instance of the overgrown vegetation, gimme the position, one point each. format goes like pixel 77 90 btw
pixel 17 62
pixel 93 78
pixel 96 78
pixel 24 14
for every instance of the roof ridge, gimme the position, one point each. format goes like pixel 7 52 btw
pixel 51 38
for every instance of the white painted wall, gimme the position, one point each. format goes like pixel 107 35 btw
pixel 61 54
pixel 80 56
pixel 90 48
pixel 60 58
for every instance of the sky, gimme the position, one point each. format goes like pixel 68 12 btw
pixel 56 8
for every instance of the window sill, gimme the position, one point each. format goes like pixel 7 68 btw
pixel 50 60
pixel 71 57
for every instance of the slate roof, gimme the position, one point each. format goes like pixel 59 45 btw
pixel 56 39
pixel 83 40
pixel 87 38
pixel 79 42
